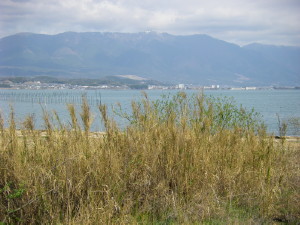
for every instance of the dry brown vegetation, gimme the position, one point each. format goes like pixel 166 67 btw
pixel 181 160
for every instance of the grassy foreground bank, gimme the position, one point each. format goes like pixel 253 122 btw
pixel 181 160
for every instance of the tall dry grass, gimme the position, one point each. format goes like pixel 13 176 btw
pixel 181 160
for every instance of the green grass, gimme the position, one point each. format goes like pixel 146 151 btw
pixel 181 160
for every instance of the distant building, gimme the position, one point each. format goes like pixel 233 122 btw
pixel 181 86
pixel 237 89
pixel 156 87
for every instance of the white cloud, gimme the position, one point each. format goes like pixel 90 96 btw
pixel 268 21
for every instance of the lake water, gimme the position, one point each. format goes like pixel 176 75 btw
pixel 269 103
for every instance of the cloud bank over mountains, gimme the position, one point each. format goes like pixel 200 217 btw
pixel 240 22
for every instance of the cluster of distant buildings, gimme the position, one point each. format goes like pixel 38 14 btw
pixel 36 85
pixel 197 87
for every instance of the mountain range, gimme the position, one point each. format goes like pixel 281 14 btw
pixel 190 59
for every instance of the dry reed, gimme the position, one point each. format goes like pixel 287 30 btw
pixel 181 160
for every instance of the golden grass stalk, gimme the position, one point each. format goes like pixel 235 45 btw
pixel 180 160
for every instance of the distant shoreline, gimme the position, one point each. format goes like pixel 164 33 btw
pixel 183 89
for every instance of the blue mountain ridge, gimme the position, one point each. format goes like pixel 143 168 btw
pixel 196 59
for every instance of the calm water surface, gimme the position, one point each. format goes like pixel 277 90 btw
pixel 269 103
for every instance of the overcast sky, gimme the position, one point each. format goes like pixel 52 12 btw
pixel 237 21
